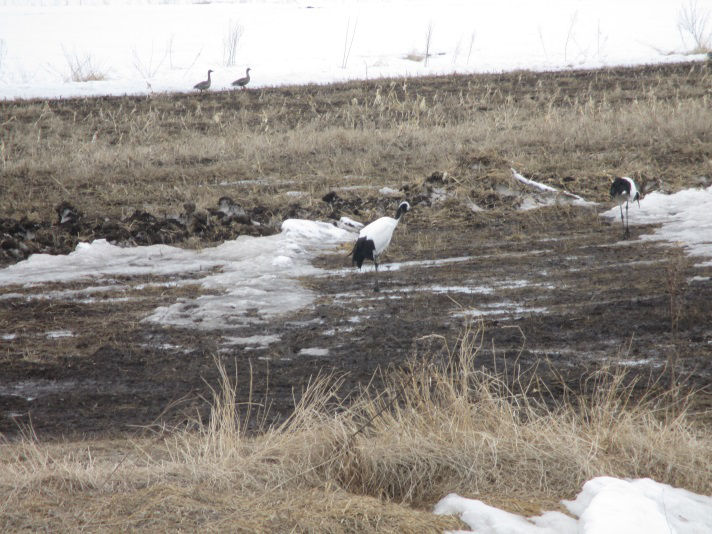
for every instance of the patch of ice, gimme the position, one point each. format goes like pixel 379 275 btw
pixel 472 290
pixel 32 389
pixel 640 363
pixel 8 337
pixel 313 351
pixel 260 341
pixel 338 330
pixel 54 334
pixel 699 279
pixel 500 308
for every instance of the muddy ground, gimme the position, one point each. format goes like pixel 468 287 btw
pixel 557 289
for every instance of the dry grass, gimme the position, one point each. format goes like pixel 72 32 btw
pixel 441 425
pixel 169 149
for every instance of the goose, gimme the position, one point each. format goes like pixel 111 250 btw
pixel 242 82
pixel 375 237
pixel 204 85
pixel 624 190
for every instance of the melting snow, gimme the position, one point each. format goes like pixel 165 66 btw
pixel 544 195
pixel 254 276
pixel 253 341
pixel 605 505
pixel 685 217
pixel 313 351
pixel 499 308
pixel 54 334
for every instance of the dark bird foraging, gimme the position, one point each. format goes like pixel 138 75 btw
pixel 624 190
pixel 204 85
pixel 242 82
pixel 374 238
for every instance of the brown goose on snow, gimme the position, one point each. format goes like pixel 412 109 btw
pixel 204 85
pixel 242 82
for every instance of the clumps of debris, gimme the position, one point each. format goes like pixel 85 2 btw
pixel 228 220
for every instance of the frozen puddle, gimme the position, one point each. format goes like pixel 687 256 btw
pixel 55 334
pixel 313 351
pixel 252 278
pixel 397 266
pixel 32 389
pixel 252 342
pixel 499 308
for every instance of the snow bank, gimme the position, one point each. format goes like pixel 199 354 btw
pixel 605 505
pixel 145 46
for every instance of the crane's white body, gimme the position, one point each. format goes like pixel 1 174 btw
pixel 380 232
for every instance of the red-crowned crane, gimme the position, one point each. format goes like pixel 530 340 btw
pixel 624 190
pixel 375 237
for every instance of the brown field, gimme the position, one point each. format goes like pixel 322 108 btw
pixel 543 350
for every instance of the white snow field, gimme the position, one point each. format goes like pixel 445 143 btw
pixel 143 46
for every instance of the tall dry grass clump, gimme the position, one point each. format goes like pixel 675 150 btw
pixel 442 424
pixel 458 427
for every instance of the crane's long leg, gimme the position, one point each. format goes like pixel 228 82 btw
pixel 627 229
pixel 376 288
pixel 622 221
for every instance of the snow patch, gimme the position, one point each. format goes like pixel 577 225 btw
pixel 55 334
pixel 254 277
pixel 685 218
pixel 258 341
pixel 605 505
pixel 313 351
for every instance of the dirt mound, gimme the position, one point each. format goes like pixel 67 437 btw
pixel 21 238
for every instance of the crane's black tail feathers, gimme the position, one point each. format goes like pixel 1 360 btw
pixel 363 250
pixel 620 187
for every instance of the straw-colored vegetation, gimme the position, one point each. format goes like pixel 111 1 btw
pixel 169 149
pixel 442 424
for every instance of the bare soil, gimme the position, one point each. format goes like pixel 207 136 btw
pixel 558 290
